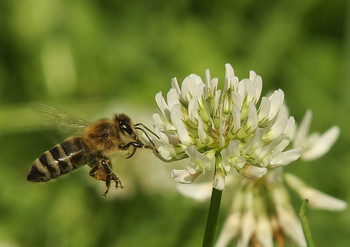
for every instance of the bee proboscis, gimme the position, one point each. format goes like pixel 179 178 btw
pixel 95 147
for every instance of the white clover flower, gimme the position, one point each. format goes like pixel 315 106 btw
pixel 234 128
pixel 219 129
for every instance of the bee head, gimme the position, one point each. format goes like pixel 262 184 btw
pixel 125 125
pixel 128 136
pixel 126 129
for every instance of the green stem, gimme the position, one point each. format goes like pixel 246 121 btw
pixel 305 225
pixel 212 220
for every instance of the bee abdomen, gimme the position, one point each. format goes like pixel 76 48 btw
pixel 59 160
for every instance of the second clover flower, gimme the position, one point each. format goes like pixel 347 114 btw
pixel 224 129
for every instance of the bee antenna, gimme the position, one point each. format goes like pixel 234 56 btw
pixel 138 124
pixel 146 135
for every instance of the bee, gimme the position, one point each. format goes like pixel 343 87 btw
pixel 95 147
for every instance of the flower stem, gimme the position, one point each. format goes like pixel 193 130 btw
pixel 305 224
pixel 212 220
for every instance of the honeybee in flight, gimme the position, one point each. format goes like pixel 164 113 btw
pixel 95 147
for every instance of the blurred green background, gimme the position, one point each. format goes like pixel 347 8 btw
pixel 93 58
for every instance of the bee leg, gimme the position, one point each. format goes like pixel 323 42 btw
pixel 125 147
pixel 133 144
pixel 93 170
pixel 139 144
pixel 136 145
pixel 110 176
pixel 108 184
pixel 152 147
pixel 133 152
pixel 117 181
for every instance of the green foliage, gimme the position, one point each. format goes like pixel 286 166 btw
pixel 89 56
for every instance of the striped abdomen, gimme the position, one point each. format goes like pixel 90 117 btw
pixel 62 158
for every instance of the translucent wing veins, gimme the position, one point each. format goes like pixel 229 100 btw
pixel 63 121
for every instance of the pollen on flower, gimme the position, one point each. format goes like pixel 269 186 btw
pixel 220 129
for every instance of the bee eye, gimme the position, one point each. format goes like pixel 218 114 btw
pixel 125 127
pixel 105 135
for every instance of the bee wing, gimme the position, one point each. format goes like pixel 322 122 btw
pixel 59 119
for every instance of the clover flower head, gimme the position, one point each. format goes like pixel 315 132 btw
pixel 234 129
pixel 224 128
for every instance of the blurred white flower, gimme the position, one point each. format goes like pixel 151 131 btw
pixel 316 199
pixel 272 218
pixel 261 214
pixel 314 145
pixel 223 129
